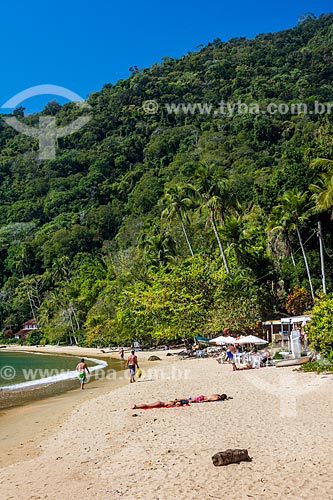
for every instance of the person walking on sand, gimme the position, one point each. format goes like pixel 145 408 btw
pixel 132 365
pixel 81 369
pixel 122 354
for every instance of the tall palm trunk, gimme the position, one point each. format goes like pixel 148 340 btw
pixel 291 253
pixel 71 311
pixel 305 260
pixel 224 258
pixel 185 233
pixel 322 261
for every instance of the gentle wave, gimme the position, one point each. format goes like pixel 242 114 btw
pixel 55 378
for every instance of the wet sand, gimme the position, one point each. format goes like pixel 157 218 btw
pixel 30 415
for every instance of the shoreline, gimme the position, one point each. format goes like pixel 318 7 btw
pixel 21 422
pixel 53 386
pixel 72 350
pixel 23 425
pixel 104 449
pixel 65 375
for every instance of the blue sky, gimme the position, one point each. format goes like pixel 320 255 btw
pixel 81 45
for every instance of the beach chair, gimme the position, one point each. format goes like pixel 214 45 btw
pixel 238 358
pixel 256 361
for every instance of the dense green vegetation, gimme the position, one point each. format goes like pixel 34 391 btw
pixel 321 327
pixel 166 225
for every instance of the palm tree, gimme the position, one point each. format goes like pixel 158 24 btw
pixel 177 205
pixel 61 272
pixel 233 232
pixel 213 195
pixel 295 209
pixel 56 306
pixel 277 223
pixel 323 164
pixel 323 199
pixel 323 192
pixel 158 247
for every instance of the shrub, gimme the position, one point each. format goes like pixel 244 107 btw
pixel 317 366
pixel 320 334
pixel 34 337
pixel 299 301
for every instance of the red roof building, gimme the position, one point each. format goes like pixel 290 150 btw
pixel 27 326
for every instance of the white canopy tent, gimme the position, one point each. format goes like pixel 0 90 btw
pixel 223 340
pixel 251 339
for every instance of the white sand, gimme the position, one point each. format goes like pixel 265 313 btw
pixel 104 452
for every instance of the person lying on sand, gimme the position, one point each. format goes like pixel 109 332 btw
pixel 245 367
pixel 161 404
pixel 181 402
pixel 213 397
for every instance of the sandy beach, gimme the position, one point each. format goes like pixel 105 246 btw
pixel 99 448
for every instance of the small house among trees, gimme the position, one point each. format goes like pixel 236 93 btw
pixel 27 326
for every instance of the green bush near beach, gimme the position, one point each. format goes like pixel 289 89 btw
pixel 320 334
pixel 318 366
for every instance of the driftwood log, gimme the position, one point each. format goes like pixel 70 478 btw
pixel 230 457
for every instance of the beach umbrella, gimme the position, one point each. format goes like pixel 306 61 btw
pixel 217 340
pixel 230 340
pixel 223 340
pixel 251 339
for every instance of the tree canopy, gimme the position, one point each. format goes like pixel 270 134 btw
pixel 183 207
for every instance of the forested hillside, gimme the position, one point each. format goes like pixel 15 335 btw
pixel 160 221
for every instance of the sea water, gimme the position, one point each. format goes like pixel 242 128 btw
pixel 26 376
pixel 19 370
